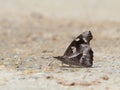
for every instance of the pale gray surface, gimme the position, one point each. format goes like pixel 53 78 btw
pixel 31 31
pixel 90 10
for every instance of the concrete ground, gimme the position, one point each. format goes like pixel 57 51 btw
pixel 28 40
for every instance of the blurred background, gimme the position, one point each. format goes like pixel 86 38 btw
pixel 57 14
pixel 90 10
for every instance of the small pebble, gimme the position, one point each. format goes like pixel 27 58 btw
pixel 105 77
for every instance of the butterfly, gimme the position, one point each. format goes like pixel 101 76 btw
pixel 79 51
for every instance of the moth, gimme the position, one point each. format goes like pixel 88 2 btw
pixel 79 51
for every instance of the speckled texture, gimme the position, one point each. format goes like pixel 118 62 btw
pixel 27 46
pixel 28 40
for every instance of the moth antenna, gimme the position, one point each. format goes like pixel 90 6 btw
pixel 49 64
pixel 58 57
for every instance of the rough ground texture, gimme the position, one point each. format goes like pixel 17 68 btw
pixel 29 39
pixel 28 44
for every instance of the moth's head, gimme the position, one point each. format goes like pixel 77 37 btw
pixel 86 61
pixel 87 36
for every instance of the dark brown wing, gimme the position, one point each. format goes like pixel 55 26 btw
pixel 76 44
pixel 72 60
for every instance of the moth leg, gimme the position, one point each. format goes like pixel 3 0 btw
pixel 49 64
pixel 61 63
pixel 70 65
